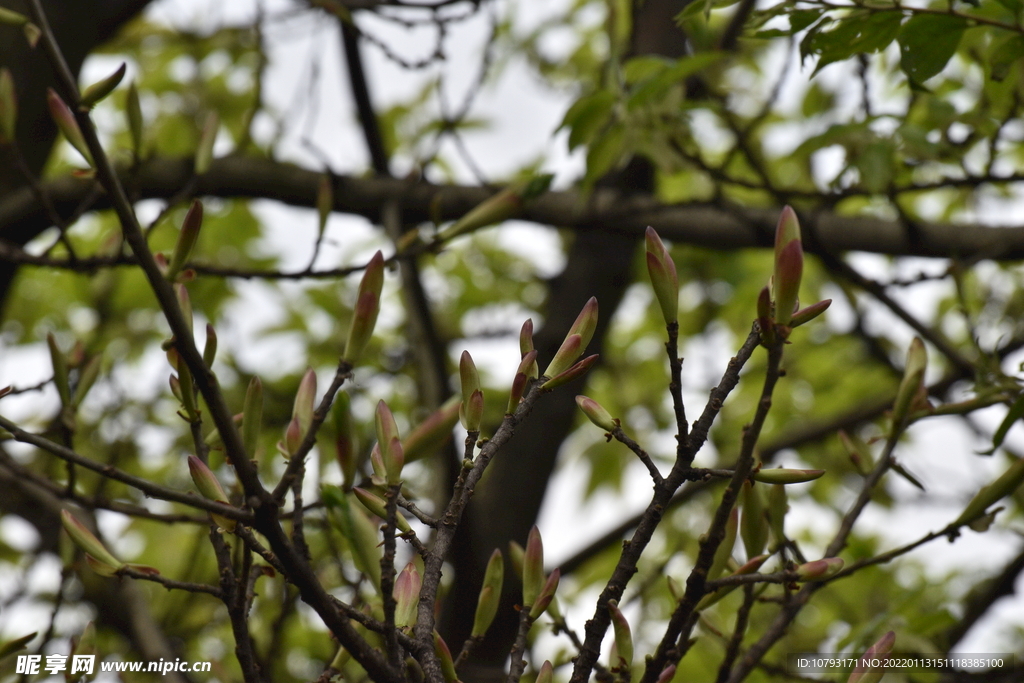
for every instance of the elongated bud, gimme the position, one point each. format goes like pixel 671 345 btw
pixel 377 506
pixel 533 567
pixel 912 382
pixel 1004 485
pixel 754 522
pixel 860 453
pixel 252 417
pixel 546 595
pixel 184 303
pixel 784 476
pixel 208 485
pixel 777 508
pixel 490 595
pixel 379 476
pixel 305 398
pixel 30 30
pixel 292 437
pixel 566 355
pixel 819 570
pixel 864 672
pixel 359 532
pixel 67 124
pixel 724 552
pixel 104 563
pixel 407 596
pixel 667 674
pixel 586 322
pixel 505 204
pixel 623 636
pixel 364 315
pixel 596 413
pixel 517 557
pixel 324 201
pixel 210 348
pixel 806 315
pixel 527 369
pixel 208 136
pixel 789 264
pixel 664 280
pixel 186 239
pixel 472 412
pixel 468 374
pixel 751 566
pixel 433 432
pixel 86 378
pixel 394 461
pixel 16 645
pixel 526 337
pixel 133 112
pixel 8 107
pixel 444 656
pixel 100 89
pixel 384 423
pixel 344 438
pixel 575 372
pixel 546 673
pixel 60 370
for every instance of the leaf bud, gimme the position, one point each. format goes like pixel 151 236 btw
pixel 575 372
pixel 67 124
pixel 490 595
pixel 751 566
pixel 433 432
pixel 527 370
pixel 377 506
pixel 208 485
pixel 623 636
pixel 472 412
pixel 407 596
pixel 667 674
pixel 753 522
pixel 292 437
pixel 364 315
pixel 546 595
pixel 860 453
pixel 533 567
pixel 664 280
pixel 784 476
pixel 806 315
pixel 444 656
pixel 911 384
pixel 100 89
pixel 210 348
pixel 305 400
pixel 86 379
pixel 789 263
pixel 186 239
pixel 819 570
pixel 104 563
pixel 864 672
pixel 344 438
pixel 324 201
pixel 596 413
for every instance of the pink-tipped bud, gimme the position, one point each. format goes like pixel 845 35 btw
pixel 305 400
pixel 819 570
pixel 65 120
pixel 292 437
pixel 575 372
pixel 344 438
pixel 567 353
pixel 754 521
pixel 468 374
pixel 623 636
pixel 596 413
pixel 324 201
pixel 407 596
pixel 364 315
pixel 394 461
pixel 586 322
pixel 104 563
pixel 752 565
pixel 784 476
pixel 526 348
pixel 546 595
pixel 252 417
pixel 912 382
pixel 8 107
pixel 866 671
pixel 472 412
pixel 210 347
pixel 208 136
pixel 385 425
pixel 208 485
pixel 533 567
pixel 490 595
pixel 187 238
pixel 433 432
pixel 100 89
pixel 546 673
pixel 444 656
pixel 664 280
pixel 789 264
pixel 515 395
pixel 667 674
pixel 806 315
pixel 184 303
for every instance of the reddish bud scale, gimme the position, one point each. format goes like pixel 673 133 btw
pixel 596 413
pixel 664 279
pixel 364 315
pixel 546 595
pixel 818 570
pixel 407 594
pixel 546 673
pixel 65 120
pixel 864 672
pixel 623 636
pixel 533 567
pixel 575 372
pixel 187 238
pixel 104 563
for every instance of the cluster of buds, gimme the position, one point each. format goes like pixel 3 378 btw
pixel 781 475
pixel 364 314
pixel 538 590
pixel 564 367
pixel 778 309
pixel 209 486
pixel 723 554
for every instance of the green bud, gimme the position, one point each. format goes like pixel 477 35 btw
pixel 724 552
pixel 754 522
pixel 208 136
pixel 407 596
pixel 471 412
pixel 104 563
pixel 364 315
pixel 789 263
pixel 60 370
pixel 490 595
pixel 575 372
pixel 863 673
pixel 533 567
pixel 377 506
pixel 527 369
pixel 210 348
pixel 468 374
pixel 67 124
pixel 8 107
pixel 912 382
pixel 444 656
pixel 585 323
pixel 433 432
pixel 1004 485
pixel 664 280
pixel 596 413
pixel 359 532
pixel 252 417
pixel 752 565
pixel 819 570
pixel 184 303
pixel 784 476
pixel 30 30
pixel 777 508
pixel 208 485
pixel 16 645
pixel 133 112
pixel 623 636
pixel 806 315
pixel 305 400
pixel 97 91
pixel 499 207
pixel 384 423
pixel 186 239
pixel 546 595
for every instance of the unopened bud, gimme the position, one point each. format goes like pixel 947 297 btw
pixel 208 136
pixel 724 552
pixel 377 506
pixel 623 636
pixel 664 280
pixel 433 432
pixel 30 30
pixel 546 595
pixel 472 412
pixel 575 372
pixel 210 348
pixel 912 382
pixel 667 674
pixel 789 263
pixel 490 595
pixel 784 476
pixel 97 91
pixel 104 563
pixel 344 437
pixel 864 672
pixel 527 370
pixel 546 673
pixel 67 124
pixel 806 315
pixel 533 567
pixel 777 508
pixel 86 378
pixel 754 522
pixel 305 399
pixel 364 315
pixel 186 239
pixel 444 656
pixel 468 374
pixel 292 437
pixel 208 485
pixel 407 596
pixel 252 417
pixel 860 453
pixel 359 532
pixel 819 570
pixel 596 413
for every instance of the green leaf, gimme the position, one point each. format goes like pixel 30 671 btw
pixel 655 87
pixel 857 33
pixel 1004 55
pixel 1016 413
pixel 587 116
pixel 605 152
pixel 927 42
